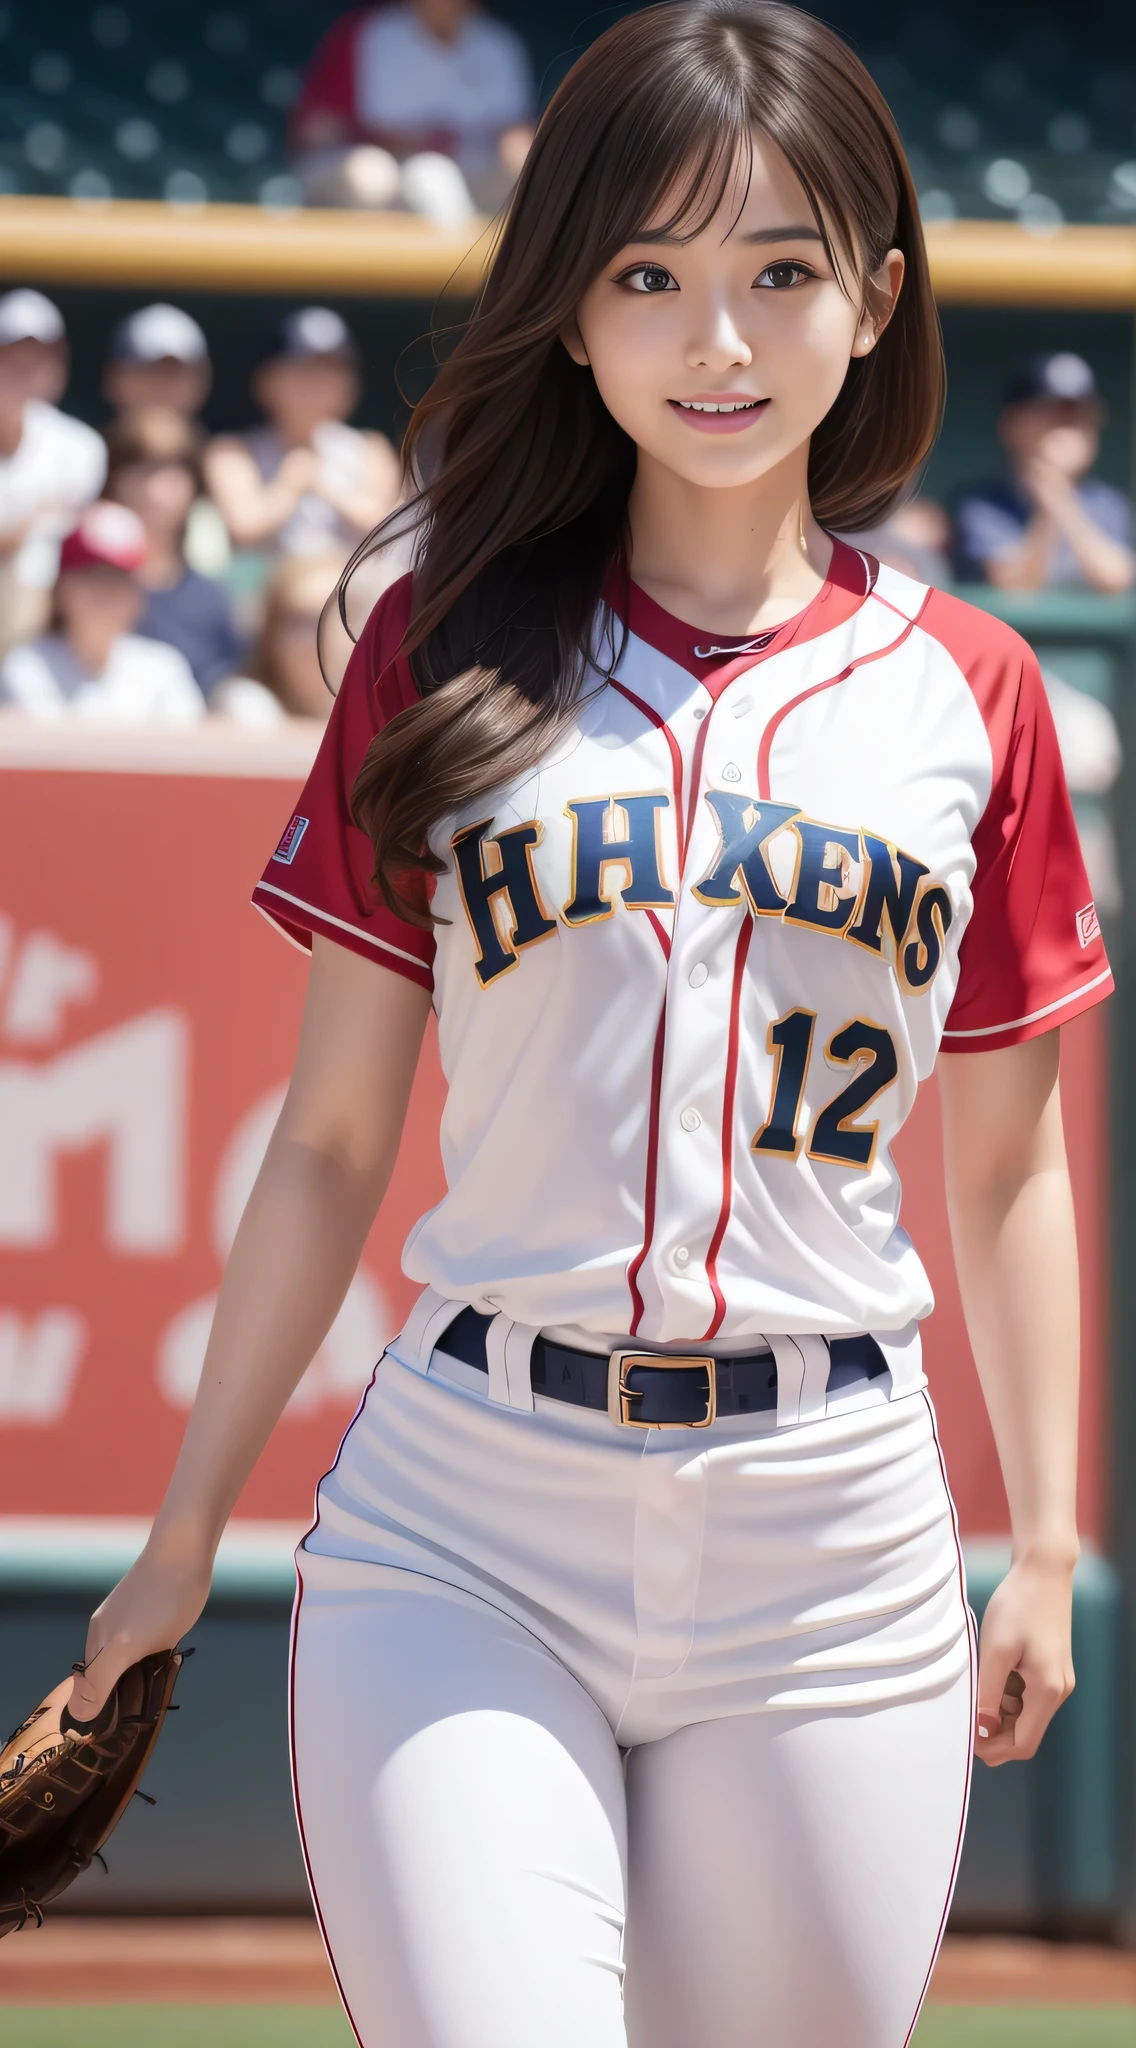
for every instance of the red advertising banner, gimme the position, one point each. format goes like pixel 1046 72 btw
pixel 148 1020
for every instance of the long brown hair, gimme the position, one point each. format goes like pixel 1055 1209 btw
pixel 524 506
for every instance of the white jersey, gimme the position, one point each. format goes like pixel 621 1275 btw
pixel 695 966
pixel 143 679
pixel 58 467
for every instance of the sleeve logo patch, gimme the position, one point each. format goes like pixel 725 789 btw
pixel 1088 924
pixel 296 827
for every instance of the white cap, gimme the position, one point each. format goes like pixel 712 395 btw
pixel 156 334
pixel 28 316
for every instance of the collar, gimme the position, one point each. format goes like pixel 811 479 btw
pixel 714 659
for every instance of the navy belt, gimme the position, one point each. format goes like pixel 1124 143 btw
pixel 656 1390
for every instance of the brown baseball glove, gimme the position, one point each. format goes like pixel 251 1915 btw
pixel 64 1784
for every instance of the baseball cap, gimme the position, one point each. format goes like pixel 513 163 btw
pixel 314 331
pixel 157 334
pixel 1062 376
pixel 107 537
pixel 28 316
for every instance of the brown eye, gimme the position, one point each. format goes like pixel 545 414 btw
pixel 779 276
pixel 649 277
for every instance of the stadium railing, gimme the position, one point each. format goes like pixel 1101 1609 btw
pixel 147 242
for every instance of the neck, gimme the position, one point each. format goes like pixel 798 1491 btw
pixel 91 646
pixel 11 425
pixel 734 560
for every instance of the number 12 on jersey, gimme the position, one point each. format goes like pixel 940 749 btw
pixel 835 1136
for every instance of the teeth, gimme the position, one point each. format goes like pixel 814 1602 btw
pixel 736 405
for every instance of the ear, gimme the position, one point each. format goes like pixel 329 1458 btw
pixel 881 292
pixel 573 341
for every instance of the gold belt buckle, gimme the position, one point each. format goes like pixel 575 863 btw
pixel 620 1396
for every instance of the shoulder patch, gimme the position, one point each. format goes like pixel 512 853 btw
pixel 1088 924
pixel 293 833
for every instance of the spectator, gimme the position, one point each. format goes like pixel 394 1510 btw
pixel 155 469
pixel 287 657
pixel 1049 522
pixel 50 464
pixel 1089 739
pixel 427 102
pixel 305 483
pixel 92 664
pixel 160 357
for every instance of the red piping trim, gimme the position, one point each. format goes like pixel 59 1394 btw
pixel 970 1744
pixel 848 583
pixel 696 778
pixel 661 932
pixel 675 752
pixel 649 1193
pixel 745 934
pixel 829 683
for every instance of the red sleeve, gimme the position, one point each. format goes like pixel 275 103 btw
pixel 319 878
pixel 1032 956
pixel 329 80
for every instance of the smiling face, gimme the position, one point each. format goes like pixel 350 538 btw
pixel 720 353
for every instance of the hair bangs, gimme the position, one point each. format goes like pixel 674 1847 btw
pixel 521 477
pixel 682 203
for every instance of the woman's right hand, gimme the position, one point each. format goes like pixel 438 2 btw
pixel 150 1609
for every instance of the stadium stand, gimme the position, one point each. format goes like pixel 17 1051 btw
pixel 1015 112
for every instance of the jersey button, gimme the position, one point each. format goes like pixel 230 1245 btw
pixel 698 974
pixel 681 1255
pixel 690 1120
pixel 699 711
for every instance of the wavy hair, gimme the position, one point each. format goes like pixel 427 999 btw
pixel 521 507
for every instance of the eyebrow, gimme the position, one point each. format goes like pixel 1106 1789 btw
pixel 804 232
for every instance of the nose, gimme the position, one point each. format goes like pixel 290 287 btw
pixel 718 343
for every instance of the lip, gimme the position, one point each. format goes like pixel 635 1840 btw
pixel 720 422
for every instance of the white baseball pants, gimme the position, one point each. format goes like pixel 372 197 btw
pixel 617 1739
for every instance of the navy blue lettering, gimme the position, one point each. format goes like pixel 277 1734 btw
pixel 516 884
pixel 886 895
pixel 820 875
pixel 932 923
pixel 745 825
pixel 594 847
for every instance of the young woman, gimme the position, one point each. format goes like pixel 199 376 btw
pixel 633 1693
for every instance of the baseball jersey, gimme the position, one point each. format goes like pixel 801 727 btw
pixel 690 971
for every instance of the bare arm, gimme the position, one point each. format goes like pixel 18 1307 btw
pixel 324 1175
pixel 363 504
pixel 254 511
pixel 1011 1216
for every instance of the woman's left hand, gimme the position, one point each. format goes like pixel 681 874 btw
pixel 1025 1660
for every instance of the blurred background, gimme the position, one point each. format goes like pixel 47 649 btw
pixel 226 237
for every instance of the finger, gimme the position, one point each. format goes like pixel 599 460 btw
pixel 995 1663
pixel 1045 1688
pixel 1013 1698
pixel 999 1744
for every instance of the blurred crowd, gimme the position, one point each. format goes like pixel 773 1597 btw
pixel 152 572
pixel 1046 521
pixel 422 104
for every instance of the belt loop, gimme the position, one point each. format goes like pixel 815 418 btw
pixel 814 1391
pixel 790 1379
pixel 424 1328
pixel 508 1354
pixel 903 1350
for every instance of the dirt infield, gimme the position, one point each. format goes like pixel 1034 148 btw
pixel 73 1961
